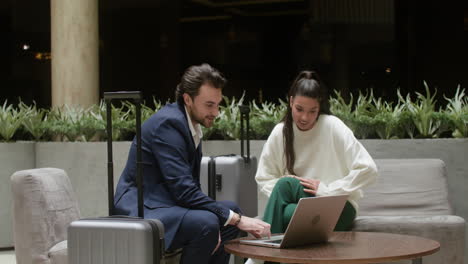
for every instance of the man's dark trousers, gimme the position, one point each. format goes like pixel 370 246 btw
pixel 198 236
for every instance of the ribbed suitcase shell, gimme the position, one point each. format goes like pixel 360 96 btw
pixel 235 181
pixel 115 240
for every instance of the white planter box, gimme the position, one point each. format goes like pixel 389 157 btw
pixel 86 166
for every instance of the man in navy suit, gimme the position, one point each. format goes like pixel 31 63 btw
pixel 172 152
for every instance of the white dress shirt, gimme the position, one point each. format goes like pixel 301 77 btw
pixel 197 135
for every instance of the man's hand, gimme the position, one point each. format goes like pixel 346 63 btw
pixel 219 243
pixel 254 226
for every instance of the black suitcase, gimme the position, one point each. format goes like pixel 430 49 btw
pixel 118 239
pixel 232 177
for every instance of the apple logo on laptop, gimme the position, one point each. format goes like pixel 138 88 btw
pixel 316 219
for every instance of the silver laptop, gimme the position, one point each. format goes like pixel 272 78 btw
pixel 313 221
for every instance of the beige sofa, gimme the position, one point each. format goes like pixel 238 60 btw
pixel 411 197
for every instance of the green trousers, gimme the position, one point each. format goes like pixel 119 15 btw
pixel 283 202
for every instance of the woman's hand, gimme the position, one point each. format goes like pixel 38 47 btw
pixel 310 185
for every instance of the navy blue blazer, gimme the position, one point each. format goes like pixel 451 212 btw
pixel 171 173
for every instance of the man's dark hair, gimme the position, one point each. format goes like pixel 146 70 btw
pixel 194 77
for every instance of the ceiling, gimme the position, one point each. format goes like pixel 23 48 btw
pixel 195 10
pixel 199 10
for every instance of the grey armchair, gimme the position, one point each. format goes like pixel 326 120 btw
pixel 43 205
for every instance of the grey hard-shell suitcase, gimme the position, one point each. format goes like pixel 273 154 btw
pixel 232 177
pixel 118 239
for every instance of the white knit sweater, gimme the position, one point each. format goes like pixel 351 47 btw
pixel 328 152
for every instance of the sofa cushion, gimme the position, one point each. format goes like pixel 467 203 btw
pixel 407 187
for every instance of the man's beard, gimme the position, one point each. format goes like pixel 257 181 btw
pixel 206 122
pixel 202 121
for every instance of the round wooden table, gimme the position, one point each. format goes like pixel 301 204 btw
pixel 344 247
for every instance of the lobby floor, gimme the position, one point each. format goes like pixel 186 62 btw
pixel 7 257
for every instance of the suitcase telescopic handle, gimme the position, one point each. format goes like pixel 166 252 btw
pixel 244 116
pixel 137 98
pixel 212 178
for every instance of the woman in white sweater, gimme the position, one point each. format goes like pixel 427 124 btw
pixel 311 153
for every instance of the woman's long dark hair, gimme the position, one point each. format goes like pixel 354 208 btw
pixel 307 83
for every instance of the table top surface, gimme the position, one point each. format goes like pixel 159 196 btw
pixel 343 247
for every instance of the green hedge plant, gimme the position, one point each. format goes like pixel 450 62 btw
pixel 387 119
pixel 11 120
pixel 422 112
pixel 74 123
pixel 457 112
pixel 264 117
pixel 34 120
pixel 366 115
